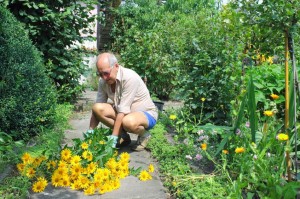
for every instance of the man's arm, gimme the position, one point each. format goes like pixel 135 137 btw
pixel 118 124
pixel 93 122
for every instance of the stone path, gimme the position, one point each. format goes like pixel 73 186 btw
pixel 131 187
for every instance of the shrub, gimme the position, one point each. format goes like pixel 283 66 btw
pixel 27 97
pixel 56 27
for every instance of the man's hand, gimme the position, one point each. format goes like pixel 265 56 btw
pixel 89 132
pixel 114 140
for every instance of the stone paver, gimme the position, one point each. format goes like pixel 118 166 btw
pixel 131 187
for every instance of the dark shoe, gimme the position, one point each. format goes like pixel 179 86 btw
pixel 141 142
pixel 124 140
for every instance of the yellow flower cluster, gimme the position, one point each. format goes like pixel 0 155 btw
pixel 77 171
pixel 262 58
pixel 145 175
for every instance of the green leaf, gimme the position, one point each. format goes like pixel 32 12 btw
pixel 135 171
pixel 258 137
pixel 252 108
pixel 223 142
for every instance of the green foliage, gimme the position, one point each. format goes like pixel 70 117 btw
pixel 15 187
pixel 179 177
pixel 56 27
pixel 46 143
pixel 252 161
pixel 181 49
pixel 8 149
pixel 268 80
pixel 27 99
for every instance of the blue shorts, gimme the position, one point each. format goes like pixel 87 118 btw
pixel 151 120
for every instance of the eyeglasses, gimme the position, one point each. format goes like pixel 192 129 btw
pixel 104 73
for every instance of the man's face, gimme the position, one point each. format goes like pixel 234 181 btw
pixel 107 73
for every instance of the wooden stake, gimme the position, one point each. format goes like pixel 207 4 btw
pixel 286 121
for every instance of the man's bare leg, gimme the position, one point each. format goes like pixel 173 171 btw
pixel 104 113
pixel 135 122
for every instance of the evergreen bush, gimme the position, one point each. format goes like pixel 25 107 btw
pixel 28 98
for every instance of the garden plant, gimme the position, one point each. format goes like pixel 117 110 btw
pixel 234 66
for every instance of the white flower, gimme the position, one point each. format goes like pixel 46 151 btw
pixel 188 157
pixel 200 132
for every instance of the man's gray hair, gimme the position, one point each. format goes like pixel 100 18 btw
pixel 112 60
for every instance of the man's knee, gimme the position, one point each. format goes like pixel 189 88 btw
pixel 98 108
pixel 103 110
pixel 129 123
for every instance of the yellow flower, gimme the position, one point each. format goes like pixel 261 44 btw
pixel 123 164
pixel 204 146
pixel 61 171
pixel 263 58
pixel 38 186
pixel 21 167
pixel 62 164
pixel 75 159
pixel 274 96
pixel 84 182
pixel 30 172
pixel 225 151
pixel 75 185
pixel 270 60
pixel 203 99
pixel 92 167
pixel 268 113
pixel 65 181
pixel 174 183
pixel 27 159
pixel 84 154
pixel 103 189
pixel 282 137
pixel 151 168
pixel 43 181
pixel 84 145
pixel 116 184
pixel 172 117
pixel 125 156
pixel 66 154
pixel 90 190
pixel 55 179
pixel 240 150
pixel 76 169
pixel 51 164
